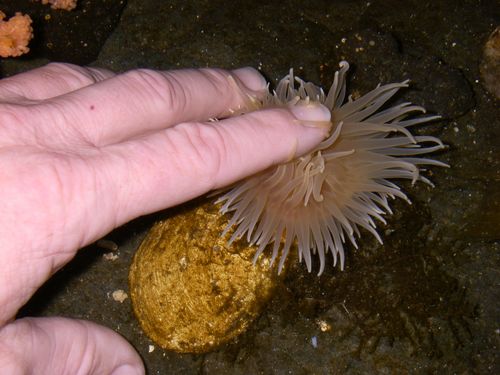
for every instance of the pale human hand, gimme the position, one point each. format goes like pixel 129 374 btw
pixel 83 151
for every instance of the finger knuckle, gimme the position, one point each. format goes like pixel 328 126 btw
pixel 157 87
pixel 73 75
pixel 206 149
pixel 218 80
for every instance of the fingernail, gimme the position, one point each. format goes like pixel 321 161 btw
pixel 315 119
pixel 251 78
pixel 312 114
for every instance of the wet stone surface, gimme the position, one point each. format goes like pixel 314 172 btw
pixel 427 301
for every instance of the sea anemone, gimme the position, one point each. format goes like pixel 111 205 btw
pixel 318 200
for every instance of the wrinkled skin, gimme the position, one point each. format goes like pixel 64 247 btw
pixel 83 151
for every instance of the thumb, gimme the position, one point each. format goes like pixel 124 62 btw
pixel 65 346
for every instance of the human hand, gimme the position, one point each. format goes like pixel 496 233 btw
pixel 83 151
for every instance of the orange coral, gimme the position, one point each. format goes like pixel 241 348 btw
pixel 61 4
pixel 15 35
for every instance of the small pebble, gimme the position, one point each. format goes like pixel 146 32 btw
pixel 110 256
pixel 107 244
pixel 314 341
pixel 119 295
pixel 323 326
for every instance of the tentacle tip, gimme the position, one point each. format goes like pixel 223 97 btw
pixel 443 145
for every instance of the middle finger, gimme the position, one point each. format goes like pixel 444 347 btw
pixel 142 101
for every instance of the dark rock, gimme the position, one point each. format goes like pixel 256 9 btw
pixel 74 36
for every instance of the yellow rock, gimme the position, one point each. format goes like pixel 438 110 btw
pixel 190 291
